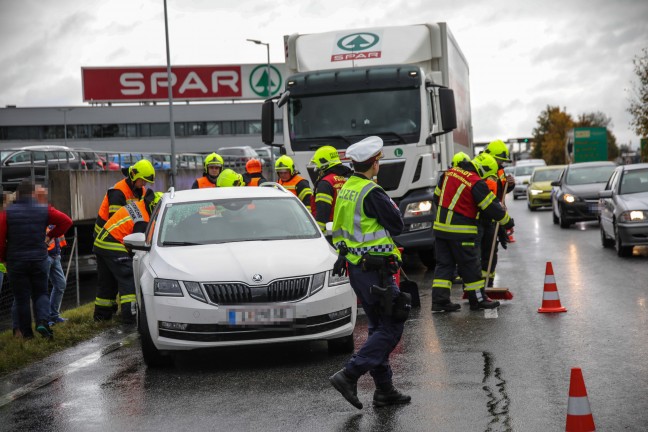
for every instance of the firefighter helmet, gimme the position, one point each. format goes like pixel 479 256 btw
pixel 229 178
pixel 499 151
pixel 253 166
pixel 460 157
pixel 142 169
pixel 326 157
pixel 486 165
pixel 213 159
pixel 285 163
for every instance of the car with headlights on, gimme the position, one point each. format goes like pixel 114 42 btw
pixel 539 190
pixel 237 266
pixel 575 196
pixel 522 173
pixel 624 209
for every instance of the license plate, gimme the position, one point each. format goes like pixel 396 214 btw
pixel 261 315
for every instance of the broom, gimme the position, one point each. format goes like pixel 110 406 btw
pixel 496 293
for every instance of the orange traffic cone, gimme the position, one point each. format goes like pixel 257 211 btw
pixel 579 413
pixel 550 299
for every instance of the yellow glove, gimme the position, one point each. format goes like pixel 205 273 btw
pixel 3 269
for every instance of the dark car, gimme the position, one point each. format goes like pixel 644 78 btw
pixel 91 159
pixel 624 209
pixel 574 197
pixel 17 164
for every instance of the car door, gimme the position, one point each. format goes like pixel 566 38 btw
pixel 607 204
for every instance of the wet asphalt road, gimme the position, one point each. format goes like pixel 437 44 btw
pixel 465 372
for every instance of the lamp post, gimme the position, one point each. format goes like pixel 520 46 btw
pixel 65 111
pixel 170 95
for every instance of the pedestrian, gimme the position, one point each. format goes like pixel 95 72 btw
pixel 331 175
pixel 498 150
pixel 213 165
pixel 463 196
pixel 125 191
pixel 23 248
pixel 290 179
pixel 253 173
pixel 364 221
pixel 114 261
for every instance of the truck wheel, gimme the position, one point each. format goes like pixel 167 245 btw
pixel 428 258
pixel 343 345
pixel 152 356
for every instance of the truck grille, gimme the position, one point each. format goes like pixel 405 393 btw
pixel 277 291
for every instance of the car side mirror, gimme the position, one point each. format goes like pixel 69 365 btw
pixel 137 241
pixel 555 183
pixel 605 194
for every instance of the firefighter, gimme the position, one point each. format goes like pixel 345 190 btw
pixel 125 191
pixel 253 175
pixel 290 179
pixel 213 165
pixel 229 178
pixel 331 175
pixel 500 153
pixel 364 221
pixel 463 196
pixel 114 262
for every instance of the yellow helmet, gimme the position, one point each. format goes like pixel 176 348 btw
pixel 486 165
pixel 285 163
pixel 142 169
pixel 499 151
pixel 229 178
pixel 460 157
pixel 326 157
pixel 213 159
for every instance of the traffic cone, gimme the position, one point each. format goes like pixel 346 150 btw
pixel 579 413
pixel 550 299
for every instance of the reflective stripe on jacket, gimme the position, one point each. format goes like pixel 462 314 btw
pixel 121 224
pixel 107 209
pixel 301 191
pixel 336 181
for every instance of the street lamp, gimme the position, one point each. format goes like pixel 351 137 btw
pixel 268 78
pixel 64 111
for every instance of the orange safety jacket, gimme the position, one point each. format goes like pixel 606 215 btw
pixel 304 192
pixel 254 181
pixel 110 240
pixel 107 209
pixel 204 182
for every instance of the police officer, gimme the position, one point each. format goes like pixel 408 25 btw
pixel 364 221
pixel 498 150
pixel 331 175
pixel 114 262
pixel 253 173
pixel 125 191
pixel 213 165
pixel 290 179
pixel 463 195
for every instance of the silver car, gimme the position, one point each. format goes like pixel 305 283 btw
pixel 624 209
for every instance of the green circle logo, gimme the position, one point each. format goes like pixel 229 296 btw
pixel 261 85
pixel 398 152
pixel 358 41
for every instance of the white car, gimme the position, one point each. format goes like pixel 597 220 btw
pixel 237 266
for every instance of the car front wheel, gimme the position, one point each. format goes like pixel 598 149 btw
pixel 553 214
pixel 605 240
pixel 152 356
pixel 622 251
pixel 564 223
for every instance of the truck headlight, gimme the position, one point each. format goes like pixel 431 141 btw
pixel 194 291
pixel 634 216
pixel 166 287
pixel 420 208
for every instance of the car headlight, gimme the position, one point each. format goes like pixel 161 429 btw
pixel 335 280
pixel 194 291
pixel 634 216
pixel 569 198
pixel 536 191
pixel 166 287
pixel 317 283
pixel 420 208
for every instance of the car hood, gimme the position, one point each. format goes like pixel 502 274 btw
pixel 638 201
pixel 542 185
pixel 239 261
pixel 585 191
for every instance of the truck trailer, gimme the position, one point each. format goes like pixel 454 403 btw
pixel 406 84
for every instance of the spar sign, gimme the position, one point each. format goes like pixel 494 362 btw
pixel 150 83
pixel 357 46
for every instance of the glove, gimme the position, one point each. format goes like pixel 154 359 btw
pixel 510 224
pixel 502 237
pixel 340 268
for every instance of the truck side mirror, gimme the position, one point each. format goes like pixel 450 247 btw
pixel 448 111
pixel 267 122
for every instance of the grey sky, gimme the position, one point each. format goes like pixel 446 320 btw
pixel 523 56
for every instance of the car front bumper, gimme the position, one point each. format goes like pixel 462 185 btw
pixel 581 211
pixel 539 200
pixel 520 190
pixel 633 234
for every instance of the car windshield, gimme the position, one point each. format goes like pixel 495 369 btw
pixel 524 170
pixel 235 220
pixel 547 175
pixel 635 181
pixel 589 174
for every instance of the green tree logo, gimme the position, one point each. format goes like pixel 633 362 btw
pixel 261 84
pixel 358 41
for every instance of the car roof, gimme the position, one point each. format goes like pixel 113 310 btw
pixel 190 195
pixel 525 162
pixel 40 148
pixel 549 167
pixel 591 164
pixel 634 167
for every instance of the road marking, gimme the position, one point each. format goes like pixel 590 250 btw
pixel 490 313
pixel 72 367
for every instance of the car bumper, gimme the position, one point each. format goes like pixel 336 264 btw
pixel 633 234
pixel 581 211
pixel 520 190
pixel 540 200
pixel 329 314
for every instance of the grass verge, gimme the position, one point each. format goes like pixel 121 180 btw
pixel 16 353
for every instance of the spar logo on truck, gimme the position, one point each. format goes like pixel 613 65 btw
pixel 356 46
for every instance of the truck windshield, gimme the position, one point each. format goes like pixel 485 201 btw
pixel 343 119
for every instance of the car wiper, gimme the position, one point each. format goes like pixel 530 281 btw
pixel 177 243
pixel 394 134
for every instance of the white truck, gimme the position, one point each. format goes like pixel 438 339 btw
pixel 400 83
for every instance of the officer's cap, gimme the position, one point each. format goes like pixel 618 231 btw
pixel 367 150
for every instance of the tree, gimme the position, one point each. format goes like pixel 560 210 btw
pixel 550 134
pixel 639 95
pixel 598 119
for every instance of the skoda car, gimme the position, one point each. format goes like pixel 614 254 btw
pixel 575 196
pixel 624 209
pixel 539 190
pixel 237 266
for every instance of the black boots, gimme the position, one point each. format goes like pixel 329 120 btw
pixel 388 395
pixel 445 307
pixel 478 300
pixel 347 386
pixel 441 301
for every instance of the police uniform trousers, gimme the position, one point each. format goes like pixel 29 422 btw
pixel 486 236
pixel 384 333
pixel 462 255
pixel 115 275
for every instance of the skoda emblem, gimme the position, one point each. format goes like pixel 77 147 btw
pixel 257 278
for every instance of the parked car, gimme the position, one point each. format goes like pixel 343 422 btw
pixel 266 154
pixel 190 161
pixel 522 174
pixel 254 295
pixel 19 163
pixel 125 160
pixel 624 209
pixel 539 190
pixel 575 196
pixel 91 159
pixel 237 157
